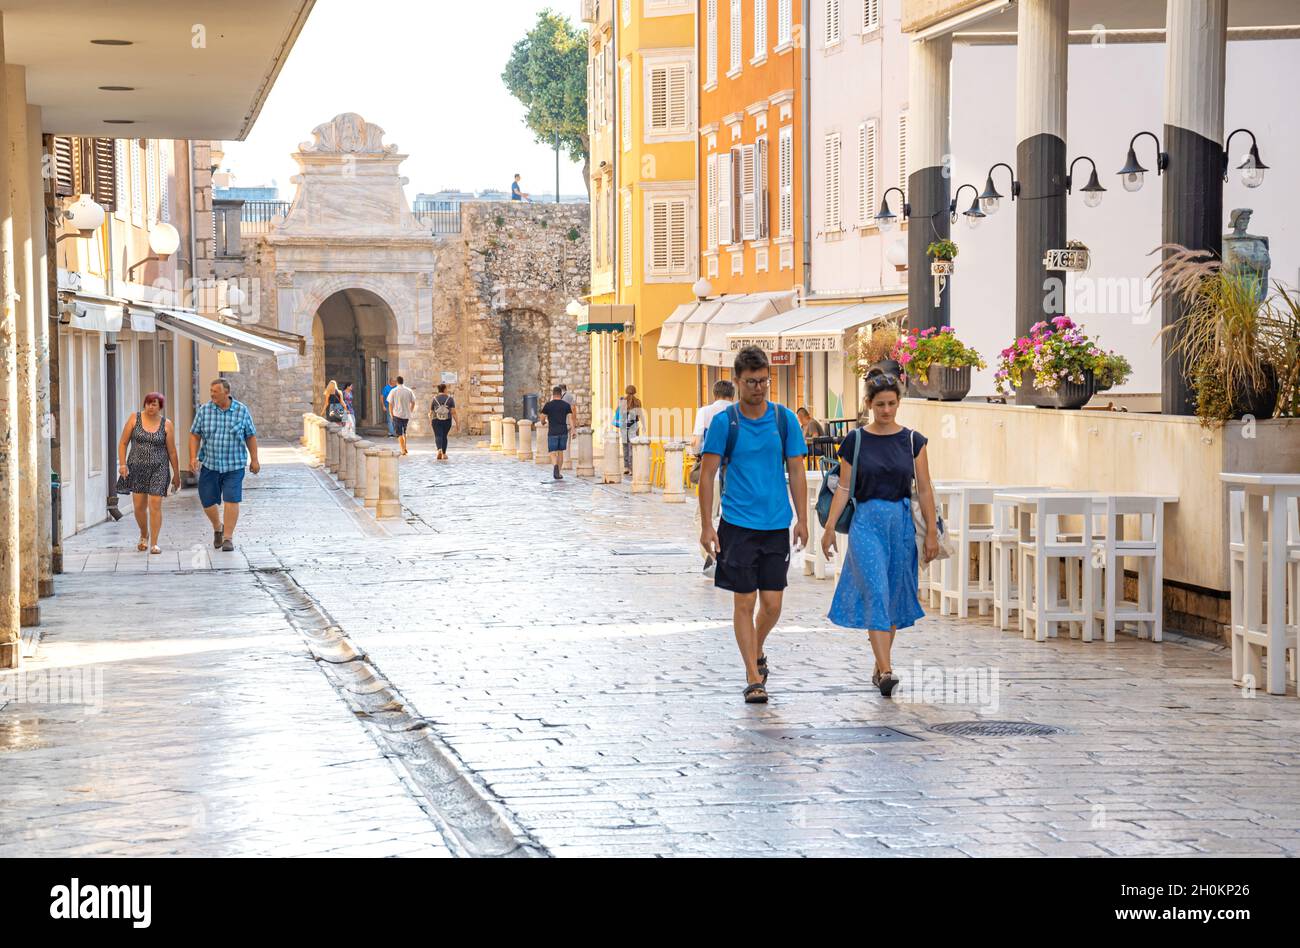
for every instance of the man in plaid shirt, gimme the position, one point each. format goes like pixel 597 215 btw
pixel 223 440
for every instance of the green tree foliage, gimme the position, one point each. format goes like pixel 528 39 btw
pixel 547 72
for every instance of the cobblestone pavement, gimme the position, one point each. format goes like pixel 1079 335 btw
pixel 560 638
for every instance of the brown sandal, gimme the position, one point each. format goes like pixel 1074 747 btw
pixel 756 694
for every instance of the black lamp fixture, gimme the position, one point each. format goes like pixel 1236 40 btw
pixel 1092 191
pixel 991 200
pixel 1133 174
pixel 1252 169
pixel 974 215
pixel 887 219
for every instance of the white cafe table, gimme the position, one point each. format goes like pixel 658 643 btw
pixel 1270 630
pixel 814 563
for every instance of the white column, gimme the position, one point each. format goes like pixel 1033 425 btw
pixel 10 637
pixel 372 476
pixel 586 465
pixel 928 163
pixel 508 436
pixel 359 448
pixel 674 488
pixel 389 505
pixel 525 450
pixel 611 468
pixel 494 428
pixel 41 345
pixel 641 465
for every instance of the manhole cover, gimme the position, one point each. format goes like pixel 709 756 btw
pixel 995 729
pixel 834 735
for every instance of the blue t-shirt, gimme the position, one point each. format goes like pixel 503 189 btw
pixel 885 463
pixel 516 193
pixel 756 495
pixel 387 389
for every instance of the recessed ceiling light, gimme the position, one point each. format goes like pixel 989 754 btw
pixel 107 42
pixel 118 88
pixel 119 121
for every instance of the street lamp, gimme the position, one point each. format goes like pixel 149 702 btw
pixel 702 289
pixel 991 200
pixel 886 219
pixel 974 215
pixel 1252 169
pixel 85 215
pixel 164 240
pixel 1133 174
pixel 574 309
pixel 1092 191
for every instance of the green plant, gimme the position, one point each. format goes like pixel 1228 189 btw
pixel 1282 322
pixel 1111 369
pixel 917 351
pixel 1075 245
pixel 573 233
pixel 500 221
pixel 872 344
pixel 943 249
pixel 1052 353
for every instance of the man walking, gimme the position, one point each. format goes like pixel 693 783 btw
pixel 223 440
pixel 388 417
pixel 557 412
pixel 517 193
pixel 724 393
pixel 756 444
pixel 401 402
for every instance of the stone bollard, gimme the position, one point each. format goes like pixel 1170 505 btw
pixel 508 428
pixel 674 457
pixel 541 432
pixel 306 429
pixel 389 506
pixel 313 437
pixel 494 433
pixel 583 453
pixel 611 468
pixel 525 450
pixel 372 476
pixel 348 461
pixel 641 465
pixel 332 431
pixel 322 440
pixel 359 466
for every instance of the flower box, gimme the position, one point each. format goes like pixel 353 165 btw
pixel 944 384
pixel 1074 259
pixel 941 267
pixel 1067 394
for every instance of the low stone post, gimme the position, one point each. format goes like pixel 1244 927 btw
pixel 372 476
pixel 313 437
pixel 494 433
pixel 641 465
pixel 360 447
pixel 611 467
pixel 332 431
pixel 582 451
pixel 508 428
pixel 306 429
pixel 541 430
pixel 389 505
pixel 348 461
pixel 525 450
pixel 674 456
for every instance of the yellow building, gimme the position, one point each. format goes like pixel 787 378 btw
pixel 642 111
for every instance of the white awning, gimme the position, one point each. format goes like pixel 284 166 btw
pixel 812 328
pixel 671 331
pixel 95 313
pixel 692 338
pixel 231 338
pixel 737 314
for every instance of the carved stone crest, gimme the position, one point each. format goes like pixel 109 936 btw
pixel 347 133
pixel 284 278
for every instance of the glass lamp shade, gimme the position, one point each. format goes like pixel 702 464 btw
pixel 702 288
pixel 85 214
pixel 990 205
pixel 886 223
pixel 1133 180
pixel 1092 198
pixel 164 239
pixel 574 308
pixel 973 220
pixel 1252 173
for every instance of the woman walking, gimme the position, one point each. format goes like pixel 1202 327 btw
pixel 631 425
pixel 334 408
pixel 350 422
pixel 877 588
pixel 143 472
pixel 442 416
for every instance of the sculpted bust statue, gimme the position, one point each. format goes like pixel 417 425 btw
pixel 1246 253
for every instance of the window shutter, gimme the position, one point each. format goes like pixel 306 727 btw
pixel 726 233
pixel 137 183
pixel 866 172
pixel 679 237
pixel 591 102
pixel 760 28
pixel 712 202
pixel 627 12
pixel 659 251
pixel 736 18
pixel 832 183
pixel 761 183
pixel 679 98
pixel 711 42
pixel 870 15
pixel 65 166
pixel 104 177
pixel 151 169
pixel 832 22
pixel 627 106
pixel 784 22
pixel 785 160
pixel 658 98
pixel 748 194
pixel 610 224
pixel 121 165
pixel 608 95
pixel 902 151
pixel 627 239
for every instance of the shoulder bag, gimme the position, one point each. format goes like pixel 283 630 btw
pixel 826 494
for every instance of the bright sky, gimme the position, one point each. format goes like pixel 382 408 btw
pixel 426 71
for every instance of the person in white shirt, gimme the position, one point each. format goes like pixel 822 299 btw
pixel 724 393
pixel 401 402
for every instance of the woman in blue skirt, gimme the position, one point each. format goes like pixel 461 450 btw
pixel 877 588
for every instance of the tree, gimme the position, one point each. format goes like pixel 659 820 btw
pixel 547 72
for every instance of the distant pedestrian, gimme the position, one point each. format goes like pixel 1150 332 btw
pixel 724 394
pixel 334 408
pixel 442 416
pixel 558 412
pixel 877 586
pixel 756 444
pixel 388 417
pixel 632 413
pixel 223 440
pixel 401 402
pixel 812 428
pixel 572 399
pixel 517 193
pixel 351 423
pixel 143 472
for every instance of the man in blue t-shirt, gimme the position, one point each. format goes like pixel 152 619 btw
pixel 388 418
pixel 756 443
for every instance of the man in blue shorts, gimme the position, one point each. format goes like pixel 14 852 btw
pixel 224 441
pixel 756 444
pixel 559 412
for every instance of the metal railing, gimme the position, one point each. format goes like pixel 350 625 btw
pixel 260 216
pixel 442 216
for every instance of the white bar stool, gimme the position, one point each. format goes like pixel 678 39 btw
pixel 1146 548
pixel 1045 550
pixel 968 538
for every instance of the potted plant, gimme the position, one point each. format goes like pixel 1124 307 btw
pixel 1052 367
pixel 1228 337
pixel 941 253
pixel 937 363
pixel 1110 369
pixel 873 349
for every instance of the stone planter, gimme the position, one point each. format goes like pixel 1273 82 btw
pixel 1066 395
pixel 1257 402
pixel 941 267
pixel 946 384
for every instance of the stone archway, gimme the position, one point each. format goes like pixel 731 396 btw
pixel 525 345
pixel 354 331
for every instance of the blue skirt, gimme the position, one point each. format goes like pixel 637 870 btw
pixel 877 586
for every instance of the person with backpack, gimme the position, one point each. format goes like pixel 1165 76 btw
pixel 755 444
pixel 442 416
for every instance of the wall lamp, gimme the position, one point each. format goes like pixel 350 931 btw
pixel 1092 191
pixel 1252 169
pixel 163 241
pixel 1133 174
pixel 991 200
pixel 974 215
pixel 886 219
pixel 85 215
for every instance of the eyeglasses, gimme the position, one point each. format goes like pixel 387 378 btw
pixel 758 383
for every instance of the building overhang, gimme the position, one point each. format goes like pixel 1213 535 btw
pixel 986 21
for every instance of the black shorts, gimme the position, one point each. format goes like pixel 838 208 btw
pixel 749 560
pixel 399 425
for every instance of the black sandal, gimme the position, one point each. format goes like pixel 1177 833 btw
pixel 875 678
pixel 756 694
pixel 887 683
pixel 762 667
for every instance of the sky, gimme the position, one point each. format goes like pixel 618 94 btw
pixel 426 71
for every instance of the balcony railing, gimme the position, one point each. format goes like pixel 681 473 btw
pixel 442 216
pixel 260 217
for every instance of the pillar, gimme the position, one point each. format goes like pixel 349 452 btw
pixel 586 465
pixel 508 437
pixel 372 476
pixel 611 467
pixel 41 343
pixel 10 636
pixel 525 450
pixel 674 457
pixel 359 449
pixel 1195 53
pixel 316 440
pixel 25 323
pixel 541 431
pixel 332 430
pixel 389 506
pixel 928 191
pixel 641 465
pixel 347 453
pixel 494 429
pixel 1041 64
pixel 306 429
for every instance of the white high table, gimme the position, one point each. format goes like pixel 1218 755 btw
pixel 1278 488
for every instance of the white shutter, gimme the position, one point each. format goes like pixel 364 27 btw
pixel 867 172
pixel 627 239
pixel 832 182
pixel 760 28
pixel 137 183
pixel 870 15
pixel 679 98
pixel 726 233
pixel 679 237
pixel 610 211
pixel 712 202
pixel 627 106
pixel 711 42
pixel 832 22
pixel 659 253
pixel 735 35
pixel 608 95
pixel 164 184
pixel 784 22
pixel 902 151
pixel 785 171
pixel 122 165
pixel 597 247
pixel 761 185
pixel 748 194
pixel 658 98
pixel 627 12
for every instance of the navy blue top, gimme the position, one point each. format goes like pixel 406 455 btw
pixel 885 463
